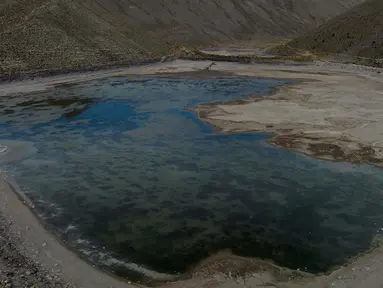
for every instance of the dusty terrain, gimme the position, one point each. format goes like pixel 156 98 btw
pixel 74 34
pixel 331 111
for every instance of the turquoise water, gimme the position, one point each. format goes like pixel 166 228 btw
pixel 123 172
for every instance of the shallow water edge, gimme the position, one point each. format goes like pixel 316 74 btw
pixel 223 262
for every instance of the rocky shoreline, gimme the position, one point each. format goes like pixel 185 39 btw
pixel 17 270
pixel 30 75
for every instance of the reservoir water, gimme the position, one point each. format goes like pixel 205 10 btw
pixel 126 175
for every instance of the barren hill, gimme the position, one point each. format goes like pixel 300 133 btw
pixel 358 32
pixel 52 34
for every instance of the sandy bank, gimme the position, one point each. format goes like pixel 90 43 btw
pixel 42 248
pixel 332 112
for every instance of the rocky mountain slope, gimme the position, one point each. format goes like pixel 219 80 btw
pixel 52 34
pixel 358 32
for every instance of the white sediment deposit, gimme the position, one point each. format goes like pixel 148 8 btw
pixel 331 111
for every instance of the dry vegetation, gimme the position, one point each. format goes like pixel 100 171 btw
pixel 68 34
pixel 358 33
pixel 298 57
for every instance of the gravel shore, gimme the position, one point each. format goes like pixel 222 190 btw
pixel 32 255
pixel 17 270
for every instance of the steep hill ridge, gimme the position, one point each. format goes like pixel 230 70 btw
pixel 52 34
pixel 358 32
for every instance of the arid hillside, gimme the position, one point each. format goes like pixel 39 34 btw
pixel 53 34
pixel 358 32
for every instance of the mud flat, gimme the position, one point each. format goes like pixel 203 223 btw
pixel 329 111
